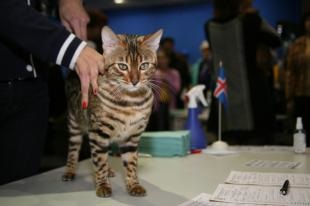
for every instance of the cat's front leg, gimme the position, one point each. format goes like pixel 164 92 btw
pixel 129 155
pixel 99 150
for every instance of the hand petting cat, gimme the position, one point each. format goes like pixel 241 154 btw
pixel 89 63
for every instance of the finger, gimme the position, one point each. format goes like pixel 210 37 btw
pixel 101 67
pixel 84 89
pixel 67 26
pixel 83 29
pixel 76 28
pixel 94 82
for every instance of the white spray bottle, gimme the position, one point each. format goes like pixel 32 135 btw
pixel 299 137
pixel 198 136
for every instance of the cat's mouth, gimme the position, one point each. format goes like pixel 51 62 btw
pixel 133 88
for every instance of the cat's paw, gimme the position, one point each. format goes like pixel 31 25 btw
pixel 137 191
pixel 111 173
pixel 104 191
pixel 68 177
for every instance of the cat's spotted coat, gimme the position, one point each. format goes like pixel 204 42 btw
pixel 119 112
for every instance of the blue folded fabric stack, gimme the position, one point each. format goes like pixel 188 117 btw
pixel 165 144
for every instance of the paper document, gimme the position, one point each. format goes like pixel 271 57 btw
pixel 218 152
pixel 270 179
pixel 253 149
pixel 261 195
pixel 273 164
pixel 200 200
pixel 259 149
pixel 204 200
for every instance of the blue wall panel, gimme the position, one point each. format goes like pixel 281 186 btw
pixel 185 23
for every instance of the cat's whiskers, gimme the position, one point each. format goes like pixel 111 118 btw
pixel 162 92
pixel 157 92
pixel 164 83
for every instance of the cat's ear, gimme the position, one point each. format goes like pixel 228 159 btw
pixel 152 40
pixel 109 39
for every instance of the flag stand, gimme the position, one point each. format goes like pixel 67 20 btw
pixel 219 144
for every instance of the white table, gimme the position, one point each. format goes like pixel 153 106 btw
pixel 169 181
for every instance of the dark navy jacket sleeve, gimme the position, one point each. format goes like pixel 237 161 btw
pixel 27 29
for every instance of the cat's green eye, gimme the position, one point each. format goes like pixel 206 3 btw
pixel 122 66
pixel 144 66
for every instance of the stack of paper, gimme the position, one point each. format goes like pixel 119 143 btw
pixel 264 188
pixel 257 188
pixel 271 179
pixel 203 199
pixel 251 194
pixel 165 144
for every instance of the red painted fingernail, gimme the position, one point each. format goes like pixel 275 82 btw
pixel 95 92
pixel 84 105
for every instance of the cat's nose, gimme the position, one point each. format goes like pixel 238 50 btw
pixel 134 83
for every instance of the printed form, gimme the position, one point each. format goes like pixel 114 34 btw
pixel 268 179
pixel 273 164
pixel 203 199
pixel 251 194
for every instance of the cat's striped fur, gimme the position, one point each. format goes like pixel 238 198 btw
pixel 118 113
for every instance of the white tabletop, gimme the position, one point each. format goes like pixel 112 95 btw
pixel 169 181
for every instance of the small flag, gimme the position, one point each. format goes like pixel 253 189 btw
pixel 220 91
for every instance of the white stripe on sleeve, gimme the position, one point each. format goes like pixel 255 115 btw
pixel 76 54
pixel 63 49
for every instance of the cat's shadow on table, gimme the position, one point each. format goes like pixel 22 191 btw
pixel 50 183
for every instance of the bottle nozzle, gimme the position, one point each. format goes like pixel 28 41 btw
pixel 299 125
pixel 195 94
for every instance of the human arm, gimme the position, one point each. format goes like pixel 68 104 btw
pixel 74 17
pixel 26 29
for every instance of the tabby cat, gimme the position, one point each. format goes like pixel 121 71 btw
pixel 119 112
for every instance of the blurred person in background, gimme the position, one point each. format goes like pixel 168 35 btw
pixel 166 84
pixel 297 73
pixel 179 62
pixel 201 70
pixel 255 32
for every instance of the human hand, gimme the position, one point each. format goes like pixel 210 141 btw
pixel 74 17
pixel 88 65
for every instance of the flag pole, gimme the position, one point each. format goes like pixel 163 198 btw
pixel 220 112
pixel 219 144
pixel 220 121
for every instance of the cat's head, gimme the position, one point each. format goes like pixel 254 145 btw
pixel 130 60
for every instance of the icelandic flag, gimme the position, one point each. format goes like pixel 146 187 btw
pixel 220 91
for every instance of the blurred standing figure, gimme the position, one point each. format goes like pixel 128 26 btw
pixel 179 62
pixel 201 71
pixel 167 85
pixel 264 57
pixel 297 69
pixel 253 97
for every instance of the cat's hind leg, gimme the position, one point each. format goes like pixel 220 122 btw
pixel 129 155
pixel 75 142
pixel 99 145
